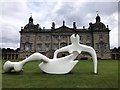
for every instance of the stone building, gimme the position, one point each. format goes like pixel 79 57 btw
pixel 116 53
pixel 33 38
pixel 9 53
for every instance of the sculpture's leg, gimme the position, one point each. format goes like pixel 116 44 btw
pixel 36 56
pixel 93 54
pixel 8 66
pixel 17 66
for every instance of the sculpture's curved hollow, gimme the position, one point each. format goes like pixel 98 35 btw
pixel 60 65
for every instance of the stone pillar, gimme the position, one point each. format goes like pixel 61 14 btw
pixel 7 56
pixel 68 40
pixel 13 56
pixel 2 56
pixel 10 56
pixel 59 42
pixel 52 39
pixel 16 56
pixel 115 56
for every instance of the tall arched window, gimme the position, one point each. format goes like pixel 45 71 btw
pixel 101 45
pixel 27 46
pixel 100 37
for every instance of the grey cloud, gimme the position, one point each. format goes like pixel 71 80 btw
pixel 9 35
pixel 68 12
pixel 106 8
pixel 46 12
pixel 9 40
pixel 9 45
pixel 119 14
pixel 66 9
pixel 91 7
pixel 16 10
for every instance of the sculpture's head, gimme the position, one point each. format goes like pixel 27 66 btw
pixel 75 38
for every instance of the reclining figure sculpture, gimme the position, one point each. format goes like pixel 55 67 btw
pixel 56 65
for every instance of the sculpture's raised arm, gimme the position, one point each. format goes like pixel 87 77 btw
pixel 70 48
pixel 92 52
pixel 63 49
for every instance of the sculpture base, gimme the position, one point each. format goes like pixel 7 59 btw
pixel 60 68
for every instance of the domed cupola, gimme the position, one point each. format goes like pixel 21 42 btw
pixel 98 25
pixel 30 25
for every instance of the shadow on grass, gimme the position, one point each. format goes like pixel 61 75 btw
pixel 13 73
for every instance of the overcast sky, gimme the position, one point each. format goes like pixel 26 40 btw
pixel 15 14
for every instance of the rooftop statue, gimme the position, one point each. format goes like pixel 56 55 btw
pixel 56 65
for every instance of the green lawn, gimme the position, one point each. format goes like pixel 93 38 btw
pixel 81 76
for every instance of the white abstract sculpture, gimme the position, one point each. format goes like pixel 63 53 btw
pixel 56 65
pixel 76 46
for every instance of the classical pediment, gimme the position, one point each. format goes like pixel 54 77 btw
pixel 63 29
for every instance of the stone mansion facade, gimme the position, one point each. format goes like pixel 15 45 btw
pixel 33 38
